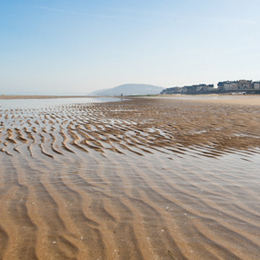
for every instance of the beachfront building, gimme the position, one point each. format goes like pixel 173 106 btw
pixel 256 85
pixel 173 90
pixel 235 85
pixel 227 85
pixel 194 89
pixel 201 88
pixel 247 86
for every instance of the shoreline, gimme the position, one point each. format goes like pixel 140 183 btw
pixel 221 98
pixel 42 96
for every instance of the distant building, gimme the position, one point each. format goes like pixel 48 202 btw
pixel 173 90
pixel 227 85
pixel 256 85
pixel 194 89
pixel 246 86
pixel 235 85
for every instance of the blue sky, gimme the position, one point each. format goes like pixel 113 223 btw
pixel 81 46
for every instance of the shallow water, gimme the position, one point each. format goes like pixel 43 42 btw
pixel 49 103
pixel 141 179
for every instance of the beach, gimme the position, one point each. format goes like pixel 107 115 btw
pixel 142 178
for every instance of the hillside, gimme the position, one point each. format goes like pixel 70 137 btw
pixel 129 89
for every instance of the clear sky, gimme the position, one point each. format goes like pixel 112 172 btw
pixel 83 45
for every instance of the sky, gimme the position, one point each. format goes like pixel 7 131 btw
pixel 79 46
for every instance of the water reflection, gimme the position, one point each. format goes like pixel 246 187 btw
pixel 49 103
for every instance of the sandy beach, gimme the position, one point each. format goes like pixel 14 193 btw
pixel 218 98
pixel 144 178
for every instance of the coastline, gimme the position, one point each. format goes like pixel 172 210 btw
pixel 209 98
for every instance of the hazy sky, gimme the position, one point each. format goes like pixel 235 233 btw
pixel 82 45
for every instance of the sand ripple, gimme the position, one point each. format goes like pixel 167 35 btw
pixel 139 179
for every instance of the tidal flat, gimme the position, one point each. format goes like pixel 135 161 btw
pixel 143 178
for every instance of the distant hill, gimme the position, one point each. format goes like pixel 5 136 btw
pixel 128 90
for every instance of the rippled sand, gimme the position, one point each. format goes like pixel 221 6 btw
pixel 139 179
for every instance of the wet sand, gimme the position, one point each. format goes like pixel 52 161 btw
pixel 140 179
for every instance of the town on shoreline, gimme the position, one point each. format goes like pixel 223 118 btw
pixel 237 87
